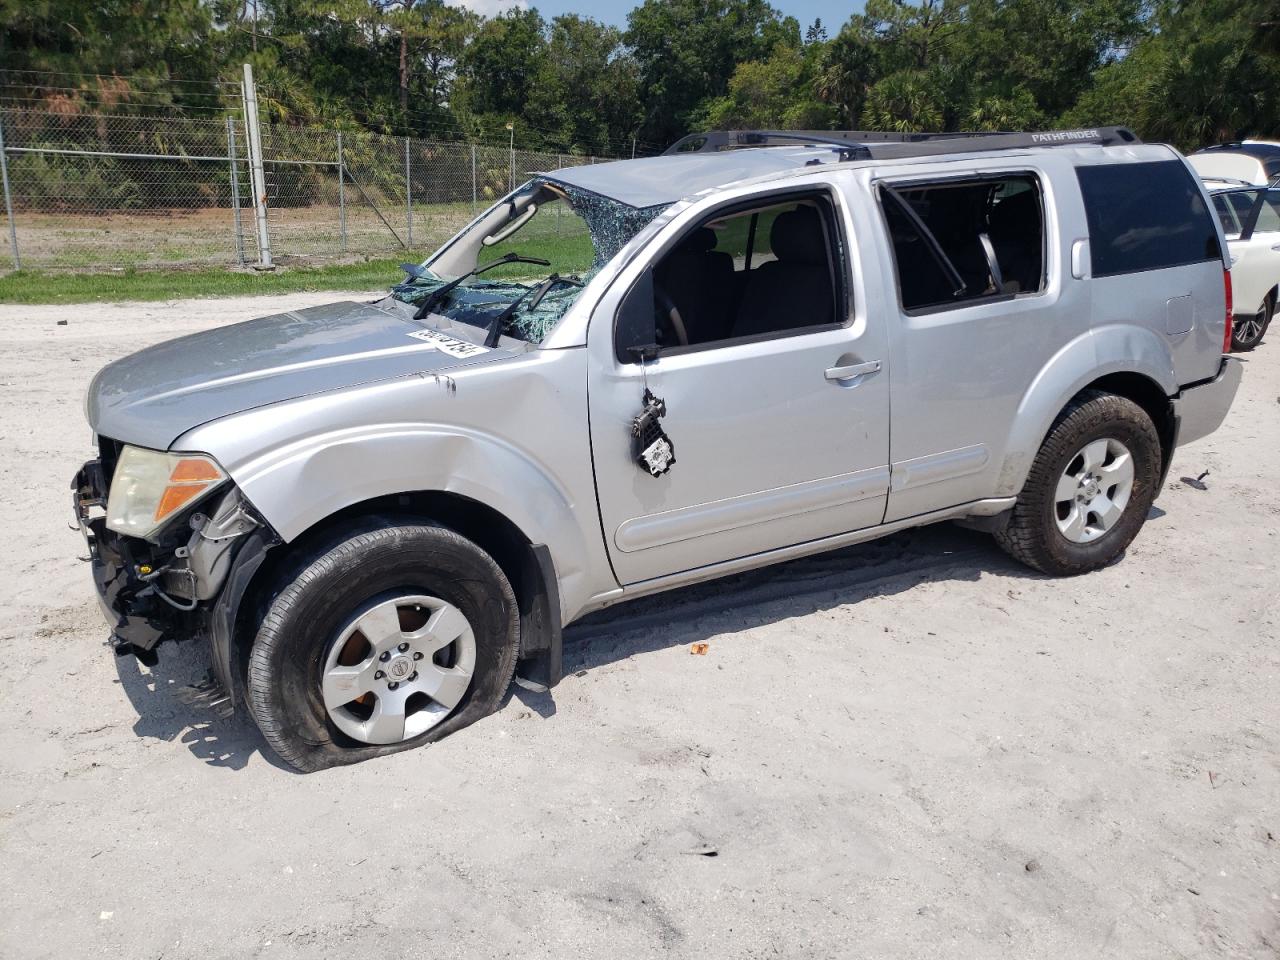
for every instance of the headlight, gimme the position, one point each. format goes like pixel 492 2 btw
pixel 149 487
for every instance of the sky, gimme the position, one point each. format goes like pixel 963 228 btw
pixel 615 11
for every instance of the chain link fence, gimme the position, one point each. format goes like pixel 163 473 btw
pixel 108 192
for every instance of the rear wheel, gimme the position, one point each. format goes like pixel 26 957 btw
pixel 1090 487
pixel 1248 332
pixel 387 639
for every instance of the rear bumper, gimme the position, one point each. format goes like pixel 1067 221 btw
pixel 1201 408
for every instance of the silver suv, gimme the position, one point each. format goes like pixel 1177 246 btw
pixel 627 377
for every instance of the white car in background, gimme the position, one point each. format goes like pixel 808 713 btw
pixel 1250 218
pixel 1255 162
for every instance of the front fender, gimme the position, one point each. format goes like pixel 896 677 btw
pixel 504 434
pixel 1097 353
pixel 298 486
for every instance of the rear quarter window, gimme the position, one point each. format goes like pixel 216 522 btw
pixel 1145 216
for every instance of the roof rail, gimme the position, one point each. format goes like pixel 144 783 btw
pixel 712 141
pixel 889 144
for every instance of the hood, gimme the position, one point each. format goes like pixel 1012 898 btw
pixel 152 397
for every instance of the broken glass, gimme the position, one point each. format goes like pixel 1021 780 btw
pixel 578 232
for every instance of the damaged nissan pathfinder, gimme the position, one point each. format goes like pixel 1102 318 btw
pixel 627 377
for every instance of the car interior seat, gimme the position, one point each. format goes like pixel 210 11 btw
pixel 1014 228
pixel 699 281
pixel 794 290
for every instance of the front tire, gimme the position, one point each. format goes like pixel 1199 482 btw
pixel 387 639
pixel 1248 333
pixel 1090 488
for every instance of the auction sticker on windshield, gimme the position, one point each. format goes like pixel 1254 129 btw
pixel 450 345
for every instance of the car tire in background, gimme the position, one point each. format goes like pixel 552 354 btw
pixel 384 638
pixel 1248 333
pixel 1090 487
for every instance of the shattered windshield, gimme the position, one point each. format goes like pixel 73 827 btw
pixel 556 231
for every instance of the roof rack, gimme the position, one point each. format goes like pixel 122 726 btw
pixel 877 144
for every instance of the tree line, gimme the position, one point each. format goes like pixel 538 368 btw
pixel 1185 71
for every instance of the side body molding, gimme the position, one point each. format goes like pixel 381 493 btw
pixel 1101 351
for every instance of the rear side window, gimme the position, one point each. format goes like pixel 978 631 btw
pixel 960 241
pixel 1145 216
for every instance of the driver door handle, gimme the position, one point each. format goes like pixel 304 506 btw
pixel 853 370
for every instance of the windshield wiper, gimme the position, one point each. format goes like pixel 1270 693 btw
pixel 440 294
pixel 538 292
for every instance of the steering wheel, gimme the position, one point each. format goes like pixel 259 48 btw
pixel 671 314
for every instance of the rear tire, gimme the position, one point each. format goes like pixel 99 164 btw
pixel 381 576
pixel 1249 332
pixel 1090 488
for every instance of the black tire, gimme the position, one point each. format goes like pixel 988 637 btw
pixel 1247 335
pixel 330 586
pixel 1032 535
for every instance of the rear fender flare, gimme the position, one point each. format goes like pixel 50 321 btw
pixel 1117 348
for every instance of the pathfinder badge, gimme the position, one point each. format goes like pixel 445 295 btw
pixel 653 448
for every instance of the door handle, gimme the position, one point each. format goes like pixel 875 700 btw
pixel 853 370
pixel 1275 246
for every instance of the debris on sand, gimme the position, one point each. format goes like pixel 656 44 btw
pixel 1196 483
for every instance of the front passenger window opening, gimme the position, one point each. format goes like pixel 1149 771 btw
pixel 962 241
pixel 751 272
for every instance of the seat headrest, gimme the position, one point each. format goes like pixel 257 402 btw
pixel 700 241
pixel 1020 210
pixel 797 236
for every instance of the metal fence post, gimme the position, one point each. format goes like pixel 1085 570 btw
pixel 408 195
pixel 235 191
pixel 8 200
pixel 473 180
pixel 256 174
pixel 342 197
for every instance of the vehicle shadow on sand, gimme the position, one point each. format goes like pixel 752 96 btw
pixel 164 715
pixel 884 567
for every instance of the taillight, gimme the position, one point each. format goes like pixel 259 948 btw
pixel 1226 336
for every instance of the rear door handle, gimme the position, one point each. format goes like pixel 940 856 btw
pixel 853 370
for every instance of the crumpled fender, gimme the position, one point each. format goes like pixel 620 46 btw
pixel 1117 348
pixel 296 486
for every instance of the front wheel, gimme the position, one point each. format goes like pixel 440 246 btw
pixel 387 639
pixel 1090 487
pixel 1247 333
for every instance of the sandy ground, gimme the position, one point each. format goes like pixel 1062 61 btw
pixel 913 748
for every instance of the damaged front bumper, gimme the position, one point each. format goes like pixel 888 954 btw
pixel 187 584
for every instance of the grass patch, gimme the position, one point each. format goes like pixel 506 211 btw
pixel 37 286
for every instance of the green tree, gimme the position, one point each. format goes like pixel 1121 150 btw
pixel 773 93
pixel 1207 72
pixel 499 67
pixel 906 101
pixel 687 50
pixel 586 92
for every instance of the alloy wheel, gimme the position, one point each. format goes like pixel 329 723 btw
pixel 1093 490
pixel 398 669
